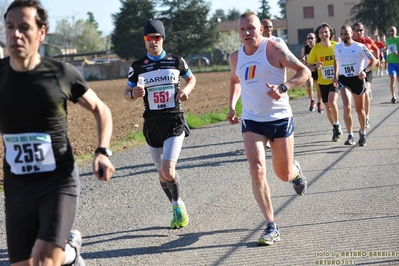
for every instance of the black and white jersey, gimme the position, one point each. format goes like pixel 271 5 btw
pixel 162 82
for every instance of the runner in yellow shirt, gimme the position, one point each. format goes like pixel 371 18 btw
pixel 321 57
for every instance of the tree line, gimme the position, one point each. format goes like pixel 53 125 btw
pixel 190 29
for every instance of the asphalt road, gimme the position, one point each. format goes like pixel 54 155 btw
pixel 349 215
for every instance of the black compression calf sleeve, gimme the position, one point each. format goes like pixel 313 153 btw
pixel 174 187
pixel 166 190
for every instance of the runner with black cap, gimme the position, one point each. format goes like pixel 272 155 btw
pixel 164 124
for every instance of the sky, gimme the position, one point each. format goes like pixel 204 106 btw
pixel 102 10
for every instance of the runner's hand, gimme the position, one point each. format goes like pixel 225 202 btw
pixel 232 117
pixel 102 167
pixel 182 96
pixel 274 92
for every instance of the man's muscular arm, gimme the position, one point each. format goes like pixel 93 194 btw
pixel 288 60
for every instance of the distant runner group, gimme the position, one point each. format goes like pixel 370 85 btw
pixel 41 178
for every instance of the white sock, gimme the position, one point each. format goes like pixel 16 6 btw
pixel 175 203
pixel 70 254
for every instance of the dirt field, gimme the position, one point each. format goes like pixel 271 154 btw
pixel 210 94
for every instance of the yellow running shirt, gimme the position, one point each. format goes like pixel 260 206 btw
pixel 319 53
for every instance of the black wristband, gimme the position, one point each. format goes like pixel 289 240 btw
pixel 284 87
pixel 366 71
pixel 131 95
pixel 105 151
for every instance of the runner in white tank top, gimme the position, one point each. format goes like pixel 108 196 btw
pixel 254 71
pixel 258 76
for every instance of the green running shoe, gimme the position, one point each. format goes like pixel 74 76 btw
pixel 180 216
pixel 337 133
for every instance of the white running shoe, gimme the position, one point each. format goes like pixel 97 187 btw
pixel 270 235
pixel 75 240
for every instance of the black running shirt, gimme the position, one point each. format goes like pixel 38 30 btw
pixel 307 51
pixel 33 115
pixel 162 82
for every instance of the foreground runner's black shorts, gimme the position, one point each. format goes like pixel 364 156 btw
pixel 281 128
pixel 40 209
pixel 157 130
pixel 354 84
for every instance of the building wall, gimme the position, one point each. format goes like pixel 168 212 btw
pixel 296 21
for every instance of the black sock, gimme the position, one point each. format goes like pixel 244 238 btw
pixel 174 188
pixel 166 190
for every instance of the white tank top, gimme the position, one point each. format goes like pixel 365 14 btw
pixel 254 71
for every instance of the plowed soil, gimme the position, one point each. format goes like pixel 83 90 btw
pixel 210 94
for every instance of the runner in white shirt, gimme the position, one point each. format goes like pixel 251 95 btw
pixel 351 67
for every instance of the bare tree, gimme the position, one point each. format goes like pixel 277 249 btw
pixel 228 43
pixel 80 36
pixel 88 39
pixel 64 34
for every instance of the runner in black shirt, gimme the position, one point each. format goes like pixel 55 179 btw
pixel 311 41
pixel 41 179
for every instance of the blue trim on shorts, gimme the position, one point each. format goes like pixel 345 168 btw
pixel 281 128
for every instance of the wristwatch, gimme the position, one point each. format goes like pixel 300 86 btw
pixel 107 152
pixel 284 87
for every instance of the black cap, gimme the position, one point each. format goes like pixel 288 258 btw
pixel 154 26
